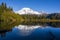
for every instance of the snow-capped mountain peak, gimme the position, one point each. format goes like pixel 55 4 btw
pixel 27 11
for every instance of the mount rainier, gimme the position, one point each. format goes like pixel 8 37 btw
pixel 27 11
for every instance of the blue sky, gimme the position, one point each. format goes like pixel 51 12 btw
pixel 38 5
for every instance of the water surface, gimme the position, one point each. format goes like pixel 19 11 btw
pixel 48 31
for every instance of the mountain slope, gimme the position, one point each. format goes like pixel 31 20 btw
pixel 27 11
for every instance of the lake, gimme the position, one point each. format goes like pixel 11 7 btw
pixel 45 31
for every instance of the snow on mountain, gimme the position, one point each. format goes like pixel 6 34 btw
pixel 27 11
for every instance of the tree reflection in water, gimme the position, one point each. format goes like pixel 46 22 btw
pixel 6 27
pixel 3 32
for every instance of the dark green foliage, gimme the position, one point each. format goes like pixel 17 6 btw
pixel 54 16
pixel 4 8
pixel 7 15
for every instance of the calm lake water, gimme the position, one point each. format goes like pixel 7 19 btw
pixel 30 32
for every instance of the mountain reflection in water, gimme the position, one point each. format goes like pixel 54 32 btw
pixel 47 31
pixel 26 30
